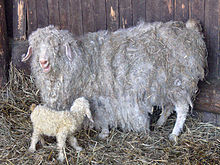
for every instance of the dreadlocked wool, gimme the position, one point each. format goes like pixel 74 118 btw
pixel 123 73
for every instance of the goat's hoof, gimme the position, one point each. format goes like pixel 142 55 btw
pixel 160 123
pixel 42 142
pixel 173 138
pixel 78 149
pixel 103 135
pixel 32 150
pixel 60 157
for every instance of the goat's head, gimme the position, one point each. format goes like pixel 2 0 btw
pixel 48 47
pixel 81 107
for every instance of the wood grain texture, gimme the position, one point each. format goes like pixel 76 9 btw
pixel 19 19
pixel 31 16
pixel 53 11
pixel 208 117
pixel 211 30
pixel 9 15
pixel 181 10
pixel 76 17
pixel 208 97
pixel 112 14
pixel 197 10
pixel 3 45
pixel 218 49
pixel 218 119
pixel 125 13
pixel 159 10
pixel 88 16
pixel 139 12
pixel 64 14
pixel 42 13
pixel 100 15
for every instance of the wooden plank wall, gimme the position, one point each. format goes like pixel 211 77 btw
pixel 19 19
pixel 212 23
pixel 3 45
pixel 82 16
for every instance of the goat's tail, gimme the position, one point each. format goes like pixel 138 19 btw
pixel 194 24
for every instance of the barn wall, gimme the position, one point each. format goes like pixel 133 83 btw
pixel 3 46
pixel 82 16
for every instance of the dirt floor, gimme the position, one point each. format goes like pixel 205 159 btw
pixel 198 144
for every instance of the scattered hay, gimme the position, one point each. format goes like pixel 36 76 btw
pixel 199 144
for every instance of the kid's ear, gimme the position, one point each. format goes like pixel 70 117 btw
pixel 25 57
pixel 89 115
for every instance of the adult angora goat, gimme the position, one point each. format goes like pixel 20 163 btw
pixel 122 73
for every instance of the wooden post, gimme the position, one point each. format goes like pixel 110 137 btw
pixel 88 16
pixel 76 17
pixel 112 14
pixel 208 97
pixel 207 103
pixel 31 16
pixel 100 15
pixel 181 10
pixel 3 45
pixel 159 10
pixel 19 19
pixel 125 14
pixel 211 29
pixel 139 11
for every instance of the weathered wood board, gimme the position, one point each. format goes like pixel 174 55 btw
pixel 159 10
pixel 3 45
pixel 42 13
pixel 211 28
pixel 100 15
pixel 53 12
pixel 125 10
pixel 19 20
pixel 64 14
pixel 76 17
pixel 139 11
pixel 208 98
pixel 31 16
pixel 112 14
pixel 181 8
pixel 88 16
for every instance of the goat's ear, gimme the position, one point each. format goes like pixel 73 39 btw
pixel 25 57
pixel 69 53
pixel 89 115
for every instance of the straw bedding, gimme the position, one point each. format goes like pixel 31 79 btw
pixel 199 144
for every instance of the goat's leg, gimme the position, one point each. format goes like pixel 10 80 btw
pixel 181 109
pixel 42 141
pixel 166 112
pixel 73 142
pixel 61 143
pixel 34 140
pixel 104 133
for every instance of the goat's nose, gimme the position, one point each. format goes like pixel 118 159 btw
pixel 43 62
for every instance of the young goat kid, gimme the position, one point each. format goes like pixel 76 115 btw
pixel 61 124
